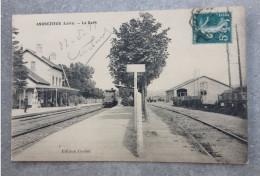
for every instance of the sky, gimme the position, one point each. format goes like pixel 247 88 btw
pixel 86 38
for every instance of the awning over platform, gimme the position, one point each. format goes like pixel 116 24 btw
pixel 53 88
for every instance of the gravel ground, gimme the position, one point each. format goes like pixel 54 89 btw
pixel 233 124
pixel 222 147
pixel 162 144
pixel 130 137
pixel 22 142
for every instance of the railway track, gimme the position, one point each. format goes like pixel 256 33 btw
pixel 219 144
pixel 28 130
pixel 205 123
pixel 45 113
pixel 203 149
pixel 48 119
pixel 40 117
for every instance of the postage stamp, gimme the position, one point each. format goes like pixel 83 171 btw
pixel 211 27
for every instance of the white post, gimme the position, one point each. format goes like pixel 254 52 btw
pixel 135 100
pixel 56 103
pixel 138 106
pixel 67 98
pixel 139 133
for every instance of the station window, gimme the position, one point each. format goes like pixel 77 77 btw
pixel 56 81
pixel 203 92
pixel 53 80
pixel 33 65
pixel 182 92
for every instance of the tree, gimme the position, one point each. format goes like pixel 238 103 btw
pixel 126 92
pixel 79 77
pixel 98 93
pixel 139 41
pixel 20 73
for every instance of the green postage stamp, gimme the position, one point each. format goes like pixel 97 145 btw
pixel 211 27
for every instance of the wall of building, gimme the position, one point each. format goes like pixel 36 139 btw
pixel 57 75
pixel 30 84
pixel 214 89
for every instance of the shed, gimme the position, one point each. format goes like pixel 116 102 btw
pixel 207 88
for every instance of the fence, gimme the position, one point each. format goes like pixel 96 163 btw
pixel 93 100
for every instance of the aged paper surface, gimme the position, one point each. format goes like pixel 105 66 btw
pixel 160 86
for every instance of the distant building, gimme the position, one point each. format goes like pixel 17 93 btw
pixel 203 86
pixel 45 86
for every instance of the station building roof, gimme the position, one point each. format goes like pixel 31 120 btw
pixel 36 78
pixel 192 80
pixel 43 59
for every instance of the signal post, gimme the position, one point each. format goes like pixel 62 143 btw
pixel 137 105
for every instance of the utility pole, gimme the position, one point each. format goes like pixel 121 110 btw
pixel 228 55
pixel 194 83
pixel 228 60
pixel 239 64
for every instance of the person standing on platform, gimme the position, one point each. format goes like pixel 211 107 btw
pixel 25 104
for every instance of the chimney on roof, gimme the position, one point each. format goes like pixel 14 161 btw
pixel 39 50
pixel 52 56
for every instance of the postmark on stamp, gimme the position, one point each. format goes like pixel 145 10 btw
pixel 213 27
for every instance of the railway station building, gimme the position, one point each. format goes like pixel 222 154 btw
pixel 206 88
pixel 45 83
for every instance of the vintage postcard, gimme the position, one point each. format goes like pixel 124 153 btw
pixel 148 86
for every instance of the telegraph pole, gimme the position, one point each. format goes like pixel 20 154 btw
pixel 239 64
pixel 228 55
pixel 228 59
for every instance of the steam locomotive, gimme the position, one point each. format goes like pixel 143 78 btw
pixel 110 99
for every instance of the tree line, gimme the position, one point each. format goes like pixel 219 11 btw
pixel 80 77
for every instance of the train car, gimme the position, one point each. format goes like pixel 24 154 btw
pixel 151 99
pixel 234 102
pixel 188 101
pixel 110 99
